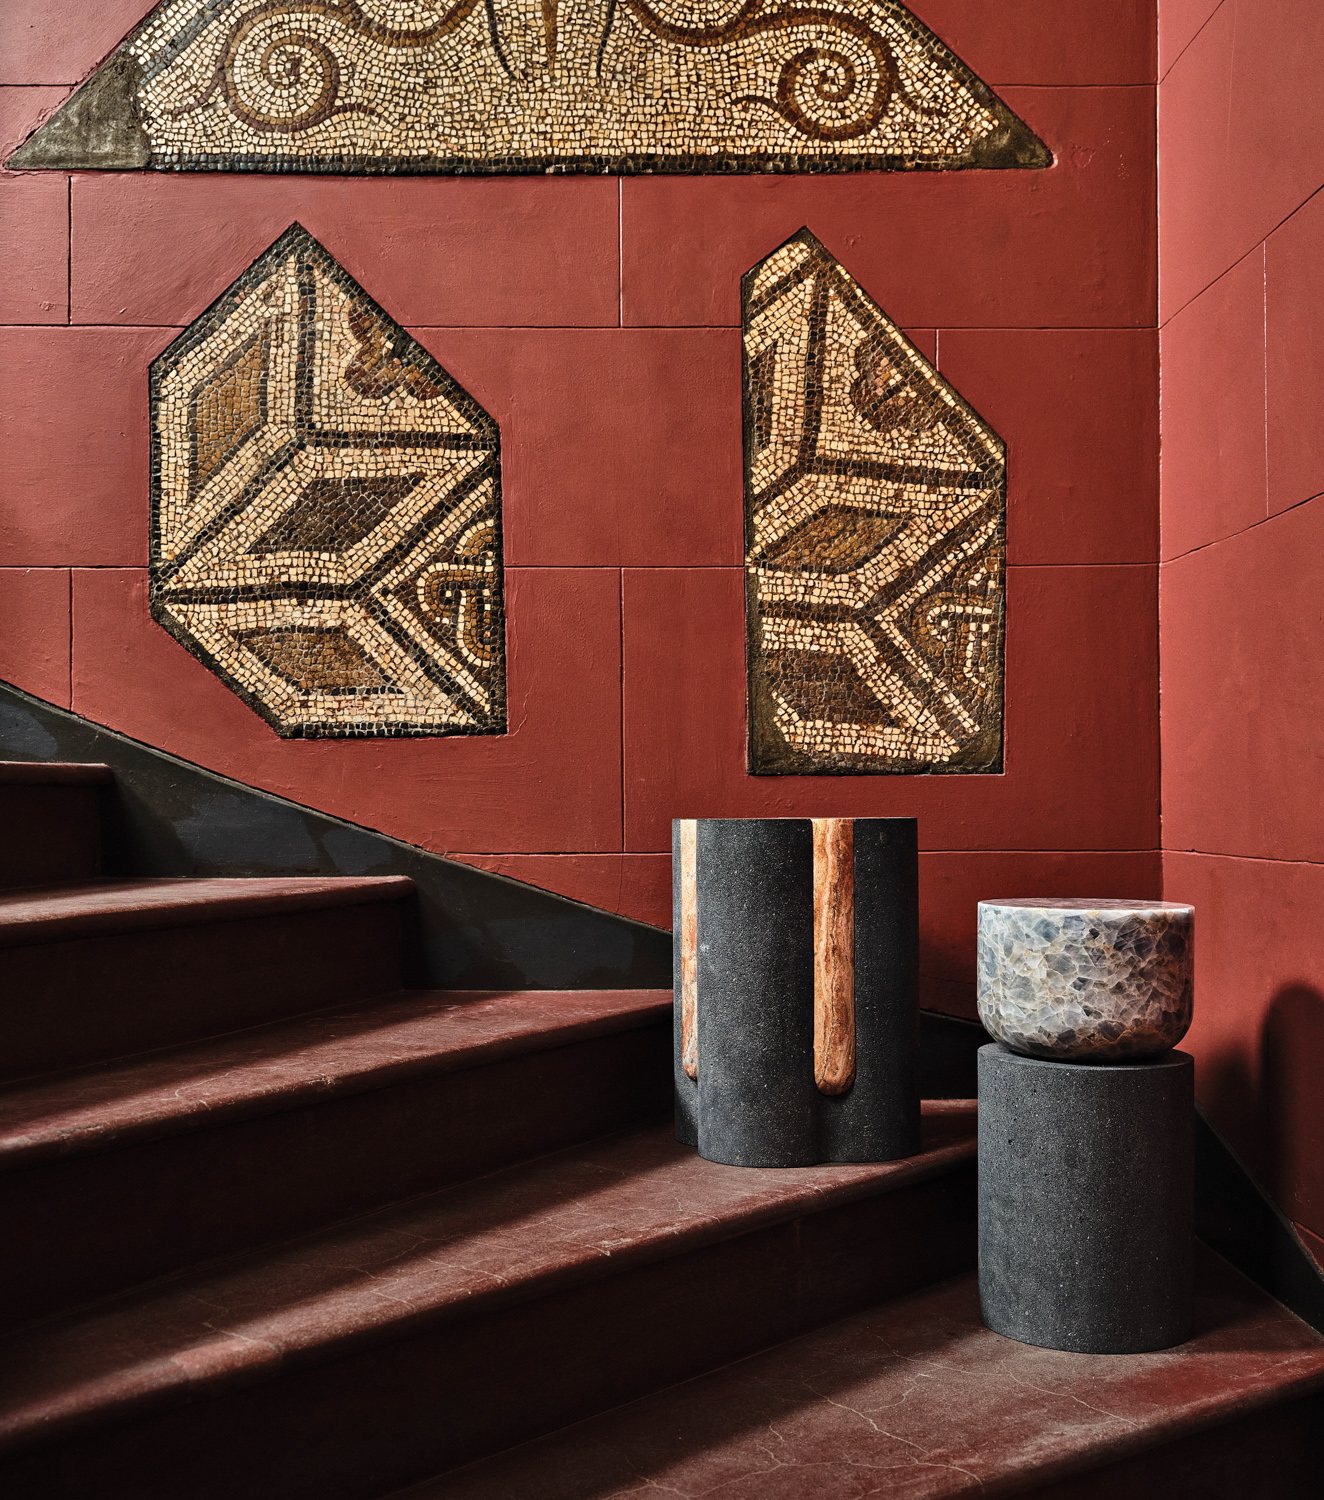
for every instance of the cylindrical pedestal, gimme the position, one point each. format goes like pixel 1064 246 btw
pixel 1086 1201
pixel 797 1010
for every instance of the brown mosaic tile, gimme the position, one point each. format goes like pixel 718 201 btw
pixel 562 85
pixel 326 510
pixel 874 521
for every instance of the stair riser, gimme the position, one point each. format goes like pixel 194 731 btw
pixel 49 834
pixel 64 1004
pixel 158 1207
pixel 382 1417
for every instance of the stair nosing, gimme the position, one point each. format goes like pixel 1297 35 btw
pixel 22 1151
pixel 55 773
pixel 193 908
pixel 181 1374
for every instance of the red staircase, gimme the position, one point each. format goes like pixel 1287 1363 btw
pixel 276 1228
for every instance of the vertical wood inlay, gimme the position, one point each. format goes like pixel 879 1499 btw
pixel 834 954
pixel 689 949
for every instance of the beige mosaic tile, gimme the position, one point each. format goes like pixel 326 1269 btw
pixel 874 506
pixel 326 510
pixel 514 85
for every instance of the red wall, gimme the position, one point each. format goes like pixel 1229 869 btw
pixel 597 320
pixel 1241 147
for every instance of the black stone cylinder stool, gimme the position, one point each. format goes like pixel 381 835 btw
pixel 796 989
pixel 1086 1201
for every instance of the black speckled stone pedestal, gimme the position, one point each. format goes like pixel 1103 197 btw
pixel 1086 1201
pixel 753 1099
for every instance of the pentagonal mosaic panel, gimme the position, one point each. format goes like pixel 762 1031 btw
pixel 874 505
pixel 509 85
pixel 326 510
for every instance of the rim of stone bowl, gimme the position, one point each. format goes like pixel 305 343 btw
pixel 1080 903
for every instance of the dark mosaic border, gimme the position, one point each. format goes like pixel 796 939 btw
pixel 100 128
pixel 297 240
pixel 768 752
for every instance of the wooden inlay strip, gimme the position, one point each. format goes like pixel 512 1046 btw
pixel 834 954
pixel 689 949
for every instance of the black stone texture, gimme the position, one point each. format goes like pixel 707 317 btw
pixel 757 1102
pixel 1086 1201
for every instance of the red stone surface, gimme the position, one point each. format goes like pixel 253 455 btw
pixel 1258 1034
pixel 552 783
pixel 916 1399
pixel 1242 121
pixel 1024 41
pixel 61 41
pixel 34 213
pixel 1294 327
pixel 635 885
pixel 1083 405
pixel 583 1216
pixel 1243 678
pixel 34 631
pixel 1070 246
pixel 1213 455
pixel 617 447
pixel 1081 721
pixel 430 250
pixel 1179 21
pixel 73 427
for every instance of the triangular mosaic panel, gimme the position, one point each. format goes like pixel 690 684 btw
pixel 326 510
pixel 875 503
pixel 543 85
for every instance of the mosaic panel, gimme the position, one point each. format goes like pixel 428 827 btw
pixel 514 85
pixel 326 510
pixel 874 525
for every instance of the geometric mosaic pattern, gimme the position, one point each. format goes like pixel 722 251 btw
pixel 514 85
pixel 874 505
pixel 326 510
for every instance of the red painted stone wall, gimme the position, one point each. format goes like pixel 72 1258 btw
pixel 1241 143
pixel 597 320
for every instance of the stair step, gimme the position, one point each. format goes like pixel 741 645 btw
pixel 434 1332
pixel 50 821
pixel 186 1154
pixel 916 1400
pixel 108 968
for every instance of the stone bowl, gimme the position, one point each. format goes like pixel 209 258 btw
pixel 1086 981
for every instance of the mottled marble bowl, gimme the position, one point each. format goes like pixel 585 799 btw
pixel 1086 981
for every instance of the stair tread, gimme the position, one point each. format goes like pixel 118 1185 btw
pixel 43 914
pixel 918 1400
pixel 54 773
pixel 318 1056
pixel 559 1221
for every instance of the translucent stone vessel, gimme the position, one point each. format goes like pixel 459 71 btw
pixel 1088 981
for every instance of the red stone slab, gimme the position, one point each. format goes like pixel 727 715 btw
pixel 1081 727
pixel 1294 327
pixel 1214 412
pixel 1243 678
pixel 52 914
pixel 617 447
pixel 73 427
pixel 1071 246
pixel 34 245
pixel 34 631
pixel 564 1221
pixel 1068 42
pixel 917 1400
pixel 1179 21
pixel 1242 121
pixel 307 1060
pixel 1078 410
pixel 431 250
pixel 1258 1032
pixel 61 41
pixel 551 783
pixel 635 885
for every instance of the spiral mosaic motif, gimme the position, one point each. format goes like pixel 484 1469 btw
pixel 508 85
